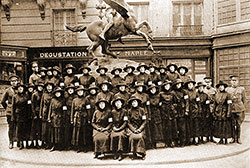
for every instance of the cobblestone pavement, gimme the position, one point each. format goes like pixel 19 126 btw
pixel 208 155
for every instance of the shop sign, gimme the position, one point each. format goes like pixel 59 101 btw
pixel 9 53
pixel 68 54
pixel 136 53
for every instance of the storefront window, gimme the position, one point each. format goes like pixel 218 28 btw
pixel 8 68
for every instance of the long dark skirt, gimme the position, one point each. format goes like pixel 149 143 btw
pixel 223 128
pixel 181 124
pixel 137 142
pixel 68 129
pixel 46 132
pixel 117 141
pixel 101 141
pixel 20 131
pixel 157 132
pixel 36 129
pixel 56 135
pixel 188 128
pixel 170 130
pixel 79 136
pixel 28 126
pixel 195 127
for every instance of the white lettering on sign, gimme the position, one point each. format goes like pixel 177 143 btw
pixel 63 54
pixel 136 53
pixel 9 53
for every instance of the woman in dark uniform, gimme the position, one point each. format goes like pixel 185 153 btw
pixel 56 117
pixel 19 113
pixel 118 133
pixel 86 79
pixel 116 78
pixel 130 78
pixel 101 123
pixel 136 123
pixel 223 114
pixel 79 119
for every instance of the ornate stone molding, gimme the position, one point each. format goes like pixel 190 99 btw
pixel 6 7
pixel 41 4
pixel 101 6
pixel 83 4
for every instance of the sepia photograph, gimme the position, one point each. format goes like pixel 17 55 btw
pixel 125 83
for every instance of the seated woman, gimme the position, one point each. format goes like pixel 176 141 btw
pixel 118 134
pixel 101 123
pixel 136 132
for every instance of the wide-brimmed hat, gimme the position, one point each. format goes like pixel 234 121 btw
pixel 42 69
pixel 85 66
pixel 92 86
pixel 175 66
pixel 80 87
pixel 141 84
pixel 134 97
pixel 141 65
pixel 233 76
pixel 40 84
pixel 58 89
pixel 221 83
pixel 30 85
pixel 101 99
pixel 182 67
pixel 199 84
pixel 49 69
pixel 105 82
pixel 121 83
pixel 71 85
pixel 57 68
pixel 153 86
pixel 162 67
pixel 13 76
pixel 189 80
pixel 101 67
pixel 69 66
pixel 129 66
pixel 152 65
pixel 114 69
pixel 207 77
pixel 167 82
pixel 22 85
pixel 49 83
pixel 116 98
pixel 177 81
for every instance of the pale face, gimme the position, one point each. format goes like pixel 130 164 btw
pixel 142 69
pixel 140 89
pixel 104 87
pixel 129 70
pixel 102 105
pixel 49 88
pixel 70 90
pixel 35 67
pixel 69 71
pixel 20 89
pixel 201 88
pixel 153 90
pixel 122 88
pixel 49 73
pixel 152 69
pixel 30 89
pixel 221 88
pixel 42 73
pixel 234 81
pixel 117 72
pixel 118 104
pixel 14 82
pixel 92 91
pixel 182 71
pixel 102 71
pixel 55 73
pixel 190 85
pixel 172 68
pixel 208 83
pixel 167 86
pixel 58 94
pixel 178 86
pixel 134 103
pixel 80 92
pixel 85 71
pixel 40 88
pixel 162 70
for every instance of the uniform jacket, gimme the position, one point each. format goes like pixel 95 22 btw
pixel 86 80
pixel 68 79
pixel 36 101
pixel 130 79
pixel 135 119
pixel 184 78
pixel 119 119
pixel 7 100
pixel 19 108
pixel 172 76
pixel 56 113
pixel 29 105
pixel 68 103
pixel 102 78
pixel 238 96
pixel 203 104
pixel 44 106
pixel 154 109
pixel 90 100
pixel 79 115
pixel 115 81
pixel 101 119
pixel 42 79
pixel 179 102
pixel 168 108
pixel 56 80
pixel 142 77
pixel 154 78
pixel 191 103
pixel 105 95
pixel 223 108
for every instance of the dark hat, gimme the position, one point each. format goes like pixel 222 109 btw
pixel 200 84
pixel 152 65
pixel 233 76
pixel 121 83
pixel 129 66
pixel 49 82
pixel 40 84
pixel 117 97
pixel 221 83
pixel 57 68
pixel 141 84
pixel 182 67
pixel 189 81
pixel 30 85
pixel 101 99
pixel 175 66
pixel 207 77
pixel 134 97
pixel 167 82
pixel 13 76
pixel 93 86
pixel 49 69
pixel 177 81
pixel 85 66
pixel 80 87
pixel 69 66
pixel 105 82
pixel 153 86
pixel 57 89
pixel 42 69
pixel 161 67
pixel 141 65
pixel 71 85
pixel 101 67
pixel 114 69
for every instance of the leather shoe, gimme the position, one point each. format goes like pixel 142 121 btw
pixel 239 141
pixel 10 146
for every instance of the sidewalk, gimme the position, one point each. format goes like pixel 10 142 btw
pixel 207 155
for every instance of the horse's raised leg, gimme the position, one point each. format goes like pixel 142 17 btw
pixel 144 23
pixel 106 51
pixel 145 36
pixel 91 50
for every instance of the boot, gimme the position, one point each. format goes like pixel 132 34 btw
pixel 21 145
pixel 11 145
pixel 225 140
pixel 239 141
pixel 32 144
pixel 52 149
pixel 233 140
pixel 221 141
pixel 212 139
pixel 27 145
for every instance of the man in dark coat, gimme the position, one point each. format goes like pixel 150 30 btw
pixel 7 105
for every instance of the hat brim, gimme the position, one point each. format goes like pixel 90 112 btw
pixel 125 69
pixel 97 103
pixel 130 100
pixel 98 70
pixel 219 84
pixel 85 68
pixel 123 101
pixel 200 86
pixel 113 71
pixel 138 68
pixel 175 66
pixel 69 68
pixel 55 91
pixel 185 68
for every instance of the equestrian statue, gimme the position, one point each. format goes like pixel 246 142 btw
pixel 121 21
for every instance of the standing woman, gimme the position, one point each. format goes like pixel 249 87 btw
pixel 44 111
pixel 223 114
pixel 130 77
pixel 56 118
pixel 101 123
pixel 19 113
pixel 79 119
pixel 136 123
pixel 118 133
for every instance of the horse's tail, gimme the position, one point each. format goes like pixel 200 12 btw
pixel 77 28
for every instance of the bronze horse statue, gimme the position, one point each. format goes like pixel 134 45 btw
pixel 124 24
